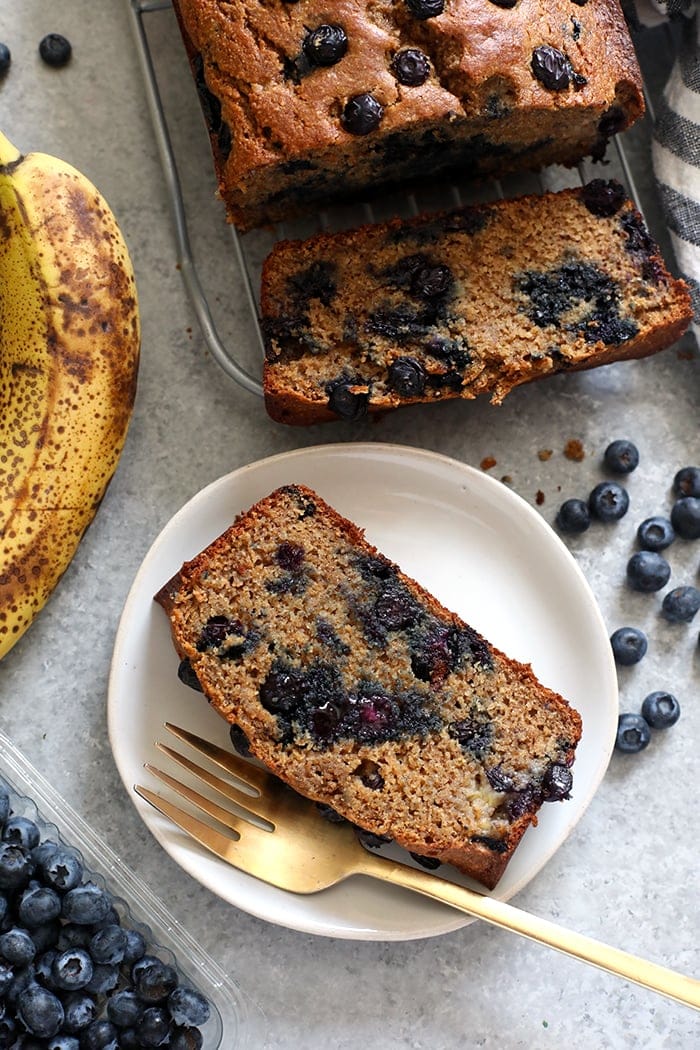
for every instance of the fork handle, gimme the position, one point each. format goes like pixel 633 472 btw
pixel 677 986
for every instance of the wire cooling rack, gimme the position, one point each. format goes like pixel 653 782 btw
pixel 248 250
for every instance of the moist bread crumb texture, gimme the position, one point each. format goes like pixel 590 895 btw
pixel 311 101
pixel 362 692
pixel 458 304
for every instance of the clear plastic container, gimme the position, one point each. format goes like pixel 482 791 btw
pixel 236 1023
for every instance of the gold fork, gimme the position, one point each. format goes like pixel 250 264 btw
pixel 282 839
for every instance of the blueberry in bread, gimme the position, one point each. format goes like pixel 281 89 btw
pixel 474 301
pixel 309 102
pixel 356 687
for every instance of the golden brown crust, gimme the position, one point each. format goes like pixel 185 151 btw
pixel 481 108
pixel 435 798
pixel 626 304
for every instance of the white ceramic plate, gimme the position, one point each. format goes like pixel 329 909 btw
pixel 480 549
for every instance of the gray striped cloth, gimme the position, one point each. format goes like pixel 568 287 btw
pixel 676 142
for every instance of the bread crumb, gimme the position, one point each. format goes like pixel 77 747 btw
pixel 539 497
pixel 544 454
pixel 574 450
pixel 487 463
pixel 507 479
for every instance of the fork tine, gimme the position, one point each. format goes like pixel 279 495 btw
pixel 212 840
pixel 236 822
pixel 250 775
pixel 258 805
pixel 262 854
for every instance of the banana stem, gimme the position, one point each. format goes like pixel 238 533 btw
pixel 9 154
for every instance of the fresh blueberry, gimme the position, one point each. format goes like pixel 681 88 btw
pixel 362 114
pixel 608 501
pixel 655 534
pixel 681 604
pixel 325 45
pixel 411 67
pixel 73 935
pixel 17 947
pixel 6 977
pixel 43 965
pixel 100 1035
pixel 621 456
pixel 72 969
pixel 188 1007
pixel 5 59
pixel 46 935
pixel 38 905
pixel 424 9
pixel 22 831
pixel 108 945
pixel 62 869
pixel 573 516
pixel 16 866
pixel 632 733
pixel 42 853
pixel 63 1042
pixel 648 571
pixel 55 50
pixel 40 1011
pixel 661 709
pixel 154 1027
pixel 153 979
pixel 687 482
pixel 124 1008
pixel 22 978
pixel 629 645
pixel 135 946
pixel 80 1011
pixel 186 1039
pixel 105 978
pixel 86 904
pixel 685 517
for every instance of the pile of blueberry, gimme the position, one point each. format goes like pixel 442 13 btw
pixel 72 977
pixel 648 571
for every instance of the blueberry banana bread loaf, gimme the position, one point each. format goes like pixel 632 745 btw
pixel 475 301
pixel 362 692
pixel 316 100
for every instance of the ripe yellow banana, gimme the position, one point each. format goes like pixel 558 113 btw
pixel 69 352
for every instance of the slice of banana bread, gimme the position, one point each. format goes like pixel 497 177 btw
pixel 478 300
pixel 362 692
